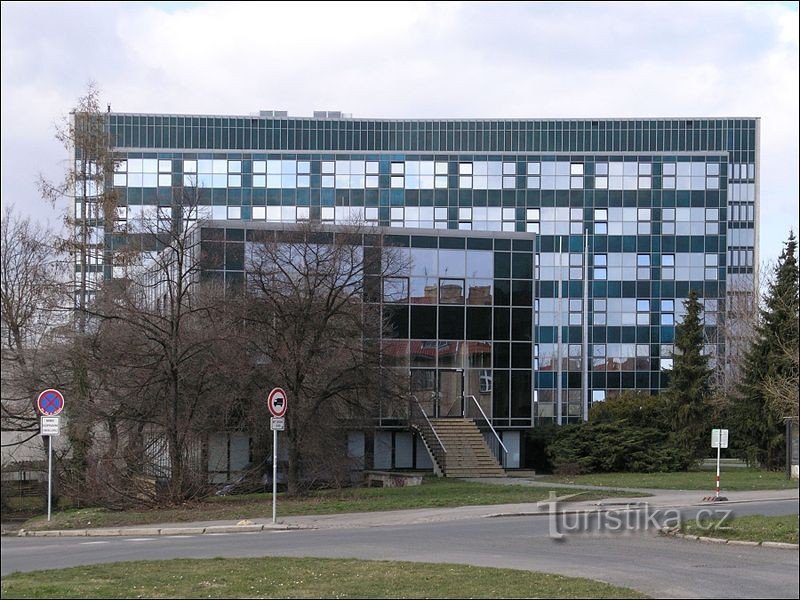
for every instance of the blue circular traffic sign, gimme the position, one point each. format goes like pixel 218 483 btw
pixel 50 402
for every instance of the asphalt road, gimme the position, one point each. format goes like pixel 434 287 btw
pixel 657 566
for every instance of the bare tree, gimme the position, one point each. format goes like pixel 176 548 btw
pixel 312 326
pixel 91 207
pixel 31 307
pixel 783 391
pixel 91 199
pixel 736 327
pixel 162 343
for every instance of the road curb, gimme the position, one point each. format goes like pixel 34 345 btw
pixel 161 531
pixel 673 532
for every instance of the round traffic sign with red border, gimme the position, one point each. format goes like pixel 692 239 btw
pixel 277 401
pixel 50 402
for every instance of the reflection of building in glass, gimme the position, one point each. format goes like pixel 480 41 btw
pixel 492 216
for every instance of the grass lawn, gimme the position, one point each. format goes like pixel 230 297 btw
pixel 732 480
pixel 299 578
pixel 432 493
pixel 754 528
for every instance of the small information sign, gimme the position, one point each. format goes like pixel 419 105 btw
pixel 50 426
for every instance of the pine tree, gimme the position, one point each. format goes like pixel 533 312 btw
pixel 690 382
pixel 758 423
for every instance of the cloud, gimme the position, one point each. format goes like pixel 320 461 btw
pixel 405 60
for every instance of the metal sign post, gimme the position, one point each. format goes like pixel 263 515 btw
pixel 719 440
pixel 49 475
pixel 50 403
pixel 274 474
pixel 49 426
pixel 277 403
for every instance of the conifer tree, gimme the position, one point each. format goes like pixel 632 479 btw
pixel 758 429
pixel 690 382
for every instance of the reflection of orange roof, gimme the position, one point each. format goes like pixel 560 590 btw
pixel 432 348
pixel 613 364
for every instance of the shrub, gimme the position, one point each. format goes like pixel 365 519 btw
pixel 537 443
pixel 635 408
pixel 605 447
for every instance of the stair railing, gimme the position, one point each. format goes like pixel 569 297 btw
pixel 419 419
pixel 488 422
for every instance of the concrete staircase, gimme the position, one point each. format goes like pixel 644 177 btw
pixel 467 454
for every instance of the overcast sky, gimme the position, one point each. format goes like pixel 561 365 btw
pixel 520 60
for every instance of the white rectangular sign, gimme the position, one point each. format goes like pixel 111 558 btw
pixel 50 425
pixel 719 438
pixel 277 423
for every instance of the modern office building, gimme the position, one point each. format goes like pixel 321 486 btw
pixel 549 258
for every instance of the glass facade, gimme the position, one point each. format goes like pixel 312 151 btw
pixel 496 216
pixel 458 314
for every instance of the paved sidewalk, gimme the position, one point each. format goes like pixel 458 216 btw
pixel 657 498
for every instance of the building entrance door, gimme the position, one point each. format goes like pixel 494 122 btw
pixel 439 391
pixel 450 393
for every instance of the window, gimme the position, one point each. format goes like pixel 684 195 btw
pixel 487 175
pixel 485 381
pixel 642 312
pixel 419 175
pixel 451 291
pixel 277 174
pixel 395 289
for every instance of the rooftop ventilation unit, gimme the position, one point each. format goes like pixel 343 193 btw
pixel 331 114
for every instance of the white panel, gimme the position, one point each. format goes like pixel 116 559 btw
pixel 355 444
pixel 383 450
pixel 218 452
pixel 403 450
pixel 240 451
pixel 355 448
pixel 511 441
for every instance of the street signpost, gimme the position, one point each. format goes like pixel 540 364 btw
pixel 719 439
pixel 50 426
pixel 50 403
pixel 277 403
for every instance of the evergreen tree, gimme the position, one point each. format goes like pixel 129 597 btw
pixel 758 428
pixel 690 382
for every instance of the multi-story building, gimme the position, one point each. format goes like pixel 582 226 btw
pixel 549 258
